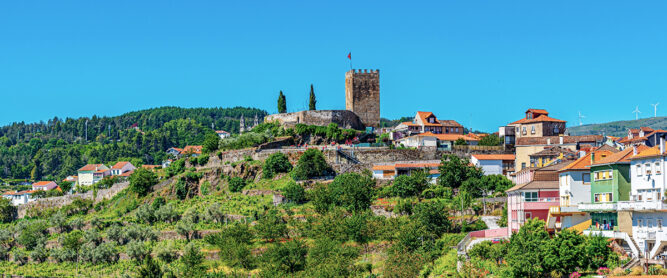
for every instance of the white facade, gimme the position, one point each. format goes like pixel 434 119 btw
pixel 19 198
pixel 648 179
pixel 489 167
pixel 122 167
pixel 650 234
pixel 419 141
pixel 574 188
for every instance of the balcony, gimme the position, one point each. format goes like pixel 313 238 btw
pixel 597 207
pixel 641 206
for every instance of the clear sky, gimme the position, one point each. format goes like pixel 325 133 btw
pixel 482 63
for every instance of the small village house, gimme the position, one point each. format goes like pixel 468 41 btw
pixel 122 167
pixel 424 122
pixel 222 134
pixel 494 164
pixel 92 173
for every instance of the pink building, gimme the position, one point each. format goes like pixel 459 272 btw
pixel 534 198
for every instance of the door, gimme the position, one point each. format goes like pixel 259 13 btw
pixel 529 215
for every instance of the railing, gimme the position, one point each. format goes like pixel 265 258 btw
pixel 639 206
pixel 544 200
pixel 597 206
pixel 461 246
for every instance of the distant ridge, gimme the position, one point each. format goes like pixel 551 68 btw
pixel 618 128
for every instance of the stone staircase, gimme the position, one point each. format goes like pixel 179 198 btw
pixel 349 156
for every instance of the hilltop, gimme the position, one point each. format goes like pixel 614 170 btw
pixel 618 128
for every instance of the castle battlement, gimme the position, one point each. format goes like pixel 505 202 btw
pixel 362 95
pixel 364 71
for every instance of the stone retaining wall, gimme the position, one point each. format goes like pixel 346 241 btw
pixel 56 202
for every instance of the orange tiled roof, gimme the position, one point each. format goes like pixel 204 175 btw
pixel 494 156
pixel 622 156
pixel 649 152
pixel 120 165
pixel 145 166
pixel 193 149
pixel 90 167
pixel 538 111
pixel 410 124
pixel 417 165
pixel 127 174
pixel 584 162
pixel 541 118
pixel 42 183
pixel 384 168
pixel 423 115
pixel 646 129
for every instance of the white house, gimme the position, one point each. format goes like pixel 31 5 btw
pixel 44 185
pixel 494 164
pixel 647 194
pixel 392 170
pixel 122 167
pixel 429 139
pixel 19 198
pixel 223 134
pixel 93 173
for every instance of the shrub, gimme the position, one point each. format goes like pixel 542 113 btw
pixel 192 261
pixel 39 253
pixel 214 214
pixel 205 187
pixel 167 213
pixel 294 192
pixel 166 251
pixel 202 160
pixel 137 250
pixel 236 184
pixel 76 223
pixel 158 202
pixel 288 257
pixel 276 163
pixel 271 226
pixel 20 256
pixel 176 167
pixel 150 269
pixel 7 211
pixel 32 234
pixel 59 221
pixel 181 189
pixel 311 164
pixel 92 236
pixel 146 214
pixel 105 252
pixel 116 234
pixel 142 181
pixel 407 186
pixel 234 242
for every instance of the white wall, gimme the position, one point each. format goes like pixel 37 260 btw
pixel 647 185
pixel 571 184
pixel 490 167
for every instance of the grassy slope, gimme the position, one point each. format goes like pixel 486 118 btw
pixel 618 128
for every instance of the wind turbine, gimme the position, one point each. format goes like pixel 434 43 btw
pixel 580 118
pixel 655 109
pixel 636 113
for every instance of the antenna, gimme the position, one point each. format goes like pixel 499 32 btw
pixel 580 118
pixel 636 113
pixel 655 110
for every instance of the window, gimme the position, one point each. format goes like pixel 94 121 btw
pixel 639 223
pixel 659 224
pixel 523 165
pixel 603 197
pixel 639 170
pixel 604 175
pixel 658 171
pixel 457 129
pixel 556 131
pixel 524 130
pixel 648 168
pixel 649 223
pixel 529 196
pixel 586 177
pixel 532 130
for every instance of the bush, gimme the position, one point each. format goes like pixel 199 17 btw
pixel 59 221
pixel 205 187
pixel 234 242
pixel 7 211
pixel 271 226
pixel 167 213
pixel 20 256
pixel 176 167
pixel 214 213
pixel 166 251
pixel 39 253
pixel 274 164
pixel 288 257
pixel 294 192
pixel 32 234
pixel 236 184
pixel 146 214
pixel 137 250
pixel 105 252
pixel 408 186
pixel 192 261
pixel 202 160
pixel 142 181
pixel 311 164
pixel 351 191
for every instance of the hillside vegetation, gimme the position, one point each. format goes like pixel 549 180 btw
pixel 57 148
pixel 618 128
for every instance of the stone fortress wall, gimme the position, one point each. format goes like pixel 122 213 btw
pixel 362 95
pixel 344 118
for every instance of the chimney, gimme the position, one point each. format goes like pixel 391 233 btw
pixel 560 140
pixel 592 158
pixel 662 145
pixel 634 150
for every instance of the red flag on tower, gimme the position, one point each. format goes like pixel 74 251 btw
pixel 349 55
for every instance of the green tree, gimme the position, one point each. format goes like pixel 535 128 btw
pixel 330 258
pixel 236 184
pixel 294 192
pixel 192 261
pixel 489 140
pixel 274 164
pixel 454 170
pixel 282 103
pixel 565 253
pixel 271 226
pixel 65 186
pixel 150 269
pixel 211 143
pixel 234 242
pixel 460 142
pixel 408 186
pixel 433 217
pixel 288 257
pixel 311 164
pixel 352 191
pixel 525 250
pixel 7 211
pixel 312 102
pixel 142 181
pixel 597 251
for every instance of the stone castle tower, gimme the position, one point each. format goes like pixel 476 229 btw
pixel 362 95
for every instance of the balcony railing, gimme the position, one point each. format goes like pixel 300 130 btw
pixel 597 206
pixel 639 205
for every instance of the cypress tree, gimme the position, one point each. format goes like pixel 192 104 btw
pixel 282 103
pixel 313 101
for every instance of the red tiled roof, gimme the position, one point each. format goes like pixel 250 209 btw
pixel 220 131
pixel 541 118
pixel 537 111
pixel 584 162
pixel 150 167
pixel 494 156
pixel 417 165
pixel 127 174
pixel 649 152
pixel 646 129
pixel 42 183
pixel 192 149
pixel 535 185
pixel 622 156
pixel 384 168
pixel 120 165
pixel 90 167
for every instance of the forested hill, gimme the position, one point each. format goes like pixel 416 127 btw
pixel 618 128
pixel 57 148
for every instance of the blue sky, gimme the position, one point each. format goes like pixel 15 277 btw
pixel 481 63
